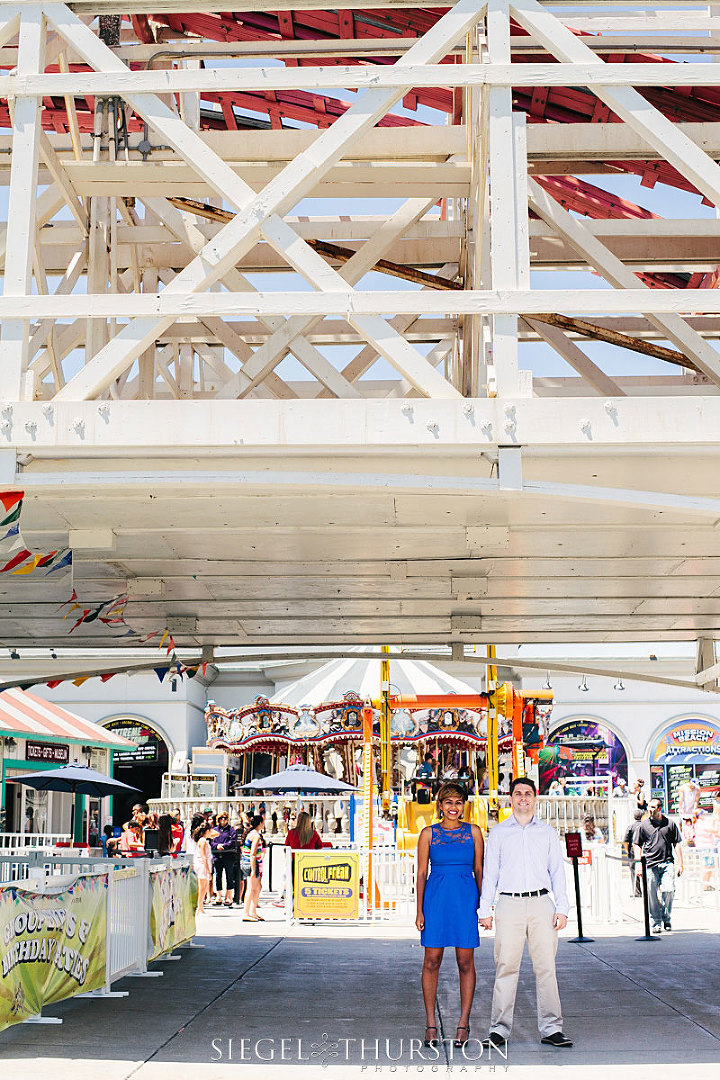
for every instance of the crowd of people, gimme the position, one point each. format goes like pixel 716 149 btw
pixel 227 857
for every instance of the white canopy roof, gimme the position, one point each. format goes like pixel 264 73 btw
pixel 338 677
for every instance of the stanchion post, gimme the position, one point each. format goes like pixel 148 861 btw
pixel 646 903
pixel 573 846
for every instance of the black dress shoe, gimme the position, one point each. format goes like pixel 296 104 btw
pixel 495 1041
pixel 556 1039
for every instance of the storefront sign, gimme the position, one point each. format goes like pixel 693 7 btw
pixel 52 945
pixel 326 884
pixel 689 737
pixel 173 899
pixel 57 753
pixel 149 749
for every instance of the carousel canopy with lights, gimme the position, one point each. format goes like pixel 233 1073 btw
pixel 324 708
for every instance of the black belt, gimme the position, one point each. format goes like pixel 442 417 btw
pixel 535 892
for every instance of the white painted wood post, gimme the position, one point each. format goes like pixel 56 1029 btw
pixel 503 203
pixel 20 237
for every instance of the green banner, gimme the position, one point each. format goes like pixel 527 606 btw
pixel 173 899
pixel 52 945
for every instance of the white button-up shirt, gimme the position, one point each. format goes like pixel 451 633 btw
pixel 523 858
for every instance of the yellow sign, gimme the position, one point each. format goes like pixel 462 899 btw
pixel 326 884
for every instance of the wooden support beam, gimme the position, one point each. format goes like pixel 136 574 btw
pixel 22 205
pixel 613 270
pixel 625 101
pixel 259 212
pixel 575 357
pixel 614 337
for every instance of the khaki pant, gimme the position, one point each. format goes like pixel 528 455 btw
pixel 518 918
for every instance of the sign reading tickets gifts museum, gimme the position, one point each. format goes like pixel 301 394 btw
pixel 52 945
pixel 326 884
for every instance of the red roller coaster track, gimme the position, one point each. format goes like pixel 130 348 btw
pixel 275 109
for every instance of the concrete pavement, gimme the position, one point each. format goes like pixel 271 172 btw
pixel 260 1000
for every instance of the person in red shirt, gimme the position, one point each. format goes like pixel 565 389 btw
pixel 303 835
pixel 178 830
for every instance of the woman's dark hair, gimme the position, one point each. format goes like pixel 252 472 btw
pixel 200 831
pixel 255 820
pixel 197 819
pixel 165 836
pixel 527 780
pixel 450 787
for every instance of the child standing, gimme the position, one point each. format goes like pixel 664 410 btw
pixel 202 863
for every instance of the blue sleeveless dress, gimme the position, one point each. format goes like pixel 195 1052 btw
pixel 451 898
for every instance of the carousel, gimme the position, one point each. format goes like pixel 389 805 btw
pixel 317 721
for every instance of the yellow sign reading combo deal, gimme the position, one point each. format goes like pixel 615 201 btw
pixel 326 884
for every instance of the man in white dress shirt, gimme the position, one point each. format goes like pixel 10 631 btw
pixel 523 863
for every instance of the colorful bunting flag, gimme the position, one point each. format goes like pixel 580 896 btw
pixel 23 561
pixel 10 499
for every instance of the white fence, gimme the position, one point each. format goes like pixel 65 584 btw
pixel 16 841
pixel 390 897
pixel 128 907
pixel 606 887
pixel 699 883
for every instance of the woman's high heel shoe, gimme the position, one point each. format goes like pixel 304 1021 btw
pixel 431 1042
pixel 459 1043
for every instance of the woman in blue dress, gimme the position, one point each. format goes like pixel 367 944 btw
pixel 447 903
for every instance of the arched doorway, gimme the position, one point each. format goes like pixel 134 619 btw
pixel 686 749
pixel 142 767
pixel 587 753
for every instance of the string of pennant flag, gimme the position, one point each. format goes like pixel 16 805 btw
pixel 15 556
pixel 17 559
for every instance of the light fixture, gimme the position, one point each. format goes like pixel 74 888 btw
pixel 583 684
pixel 547 685
pixel 53 654
pixel 174 684
pixel 14 654
pixel 619 685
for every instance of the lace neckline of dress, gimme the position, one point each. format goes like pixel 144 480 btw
pixel 449 836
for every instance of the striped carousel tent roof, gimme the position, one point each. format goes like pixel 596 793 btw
pixel 338 677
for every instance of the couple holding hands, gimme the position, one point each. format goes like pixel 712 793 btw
pixel 522 875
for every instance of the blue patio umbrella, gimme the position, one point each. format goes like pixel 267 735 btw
pixel 77 779
pixel 298 778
